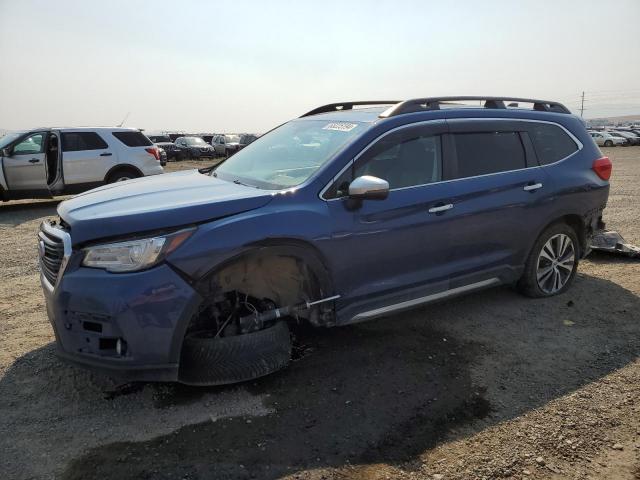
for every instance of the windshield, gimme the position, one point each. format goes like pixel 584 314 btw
pixel 288 155
pixel 194 141
pixel 9 138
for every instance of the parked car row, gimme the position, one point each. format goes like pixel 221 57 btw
pixel 614 138
pixel 196 147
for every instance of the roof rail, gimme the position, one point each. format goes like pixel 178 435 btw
pixel 335 107
pixel 433 103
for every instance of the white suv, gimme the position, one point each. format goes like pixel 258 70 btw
pixel 44 162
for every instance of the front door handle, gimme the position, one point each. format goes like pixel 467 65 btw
pixel 532 187
pixel 106 154
pixel 441 208
pixel 34 160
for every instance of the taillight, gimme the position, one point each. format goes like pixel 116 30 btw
pixel 154 151
pixel 602 167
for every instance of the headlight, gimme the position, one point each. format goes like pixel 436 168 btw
pixel 133 255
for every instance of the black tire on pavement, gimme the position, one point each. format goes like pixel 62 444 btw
pixel 528 284
pixel 224 360
pixel 121 175
pixel 608 143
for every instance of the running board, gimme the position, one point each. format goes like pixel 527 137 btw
pixel 378 312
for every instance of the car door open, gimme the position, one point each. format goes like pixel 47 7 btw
pixel 25 167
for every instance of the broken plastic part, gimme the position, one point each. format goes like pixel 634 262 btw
pixel 613 242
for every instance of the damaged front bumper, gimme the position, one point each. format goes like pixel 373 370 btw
pixel 126 325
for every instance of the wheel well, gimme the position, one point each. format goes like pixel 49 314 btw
pixel 577 224
pixel 122 168
pixel 274 274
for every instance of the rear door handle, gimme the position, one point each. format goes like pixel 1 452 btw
pixel 441 208
pixel 106 154
pixel 34 160
pixel 532 187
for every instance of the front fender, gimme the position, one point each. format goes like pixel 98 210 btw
pixel 271 230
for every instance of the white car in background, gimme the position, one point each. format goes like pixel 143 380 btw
pixel 605 139
pixel 44 162
pixel 632 137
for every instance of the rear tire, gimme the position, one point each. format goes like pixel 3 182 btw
pixel 608 143
pixel 552 264
pixel 224 360
pixel 122 175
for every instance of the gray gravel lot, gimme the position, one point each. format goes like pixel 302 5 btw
pixel 492 385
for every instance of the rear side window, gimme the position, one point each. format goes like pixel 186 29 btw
pixel 133 139
pixel 551 143
pixel 77 141
pixel 487 152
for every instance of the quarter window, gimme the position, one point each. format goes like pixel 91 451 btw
pixel 487 152
pixel 133 139
pixel 551 143
pixel 77 141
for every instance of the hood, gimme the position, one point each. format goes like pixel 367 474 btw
pixel 156 202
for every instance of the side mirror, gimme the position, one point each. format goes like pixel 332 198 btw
pixel 5 152
pixel 368 187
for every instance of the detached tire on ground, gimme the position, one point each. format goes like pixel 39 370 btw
pixel 224 360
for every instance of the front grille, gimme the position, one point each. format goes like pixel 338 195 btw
pixel 51 250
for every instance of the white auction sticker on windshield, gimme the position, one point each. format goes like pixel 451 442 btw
pixel 340 126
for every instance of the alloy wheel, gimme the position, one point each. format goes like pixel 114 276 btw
pixel 556 262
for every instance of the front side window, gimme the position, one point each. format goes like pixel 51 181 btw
pixel 551 143
pixel 78 141
pixel 289 154
pixel 487 152
pixel 404 159
pixel 33 144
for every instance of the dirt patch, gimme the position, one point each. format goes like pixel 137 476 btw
pixel 492 385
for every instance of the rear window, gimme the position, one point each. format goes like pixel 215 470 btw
pixel 77 141
pixel 552 143
pixel 489 152
pixel 133 139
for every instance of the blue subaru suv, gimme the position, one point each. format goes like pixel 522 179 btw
pixel 342 215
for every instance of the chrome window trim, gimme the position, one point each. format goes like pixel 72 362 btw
pixel 426 299
pixel 578 143
pixel 66 243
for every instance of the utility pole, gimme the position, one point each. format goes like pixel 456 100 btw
pixel 582 105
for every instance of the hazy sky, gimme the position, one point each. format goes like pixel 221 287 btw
pixel 249 65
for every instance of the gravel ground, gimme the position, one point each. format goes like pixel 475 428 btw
pixel 491 385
